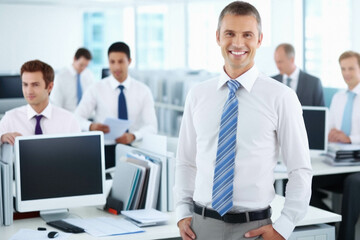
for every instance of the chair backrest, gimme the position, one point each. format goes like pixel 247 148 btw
pixel 328 94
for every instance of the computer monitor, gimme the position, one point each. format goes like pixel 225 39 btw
pixel 57 172
pixel 316 122
pixel 10 92
pixel 105 72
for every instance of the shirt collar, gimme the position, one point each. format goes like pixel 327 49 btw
pixel 294 75
pixel 46 112
pixel 115 83
pixel 356 89
pixel 246 80
pixel 72 70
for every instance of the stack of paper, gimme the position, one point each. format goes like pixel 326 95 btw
pixel 146 217
pixel 343 154
pixel 104 226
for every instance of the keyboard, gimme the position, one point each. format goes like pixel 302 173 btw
pixel 65 227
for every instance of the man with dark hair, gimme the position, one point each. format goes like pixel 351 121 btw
pixel 119 96
pixel 307 87
pixel 39 116
pixel 232 130
pixel 72 81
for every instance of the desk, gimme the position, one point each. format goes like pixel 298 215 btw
pixel 170 230
pixel 322 168
pixel 319 168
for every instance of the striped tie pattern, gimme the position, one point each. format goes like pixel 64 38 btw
pixel 225 157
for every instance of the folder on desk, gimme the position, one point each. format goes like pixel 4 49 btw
pixel 157 192
pixel 143 184
pixel 6 166
pixel 125 183
pixel 152 192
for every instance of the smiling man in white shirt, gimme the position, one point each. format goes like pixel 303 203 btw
pixel 72 81
pixel 37 82
pixel 103 99
pixel 224 169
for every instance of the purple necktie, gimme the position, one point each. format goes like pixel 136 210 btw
pixel 38 130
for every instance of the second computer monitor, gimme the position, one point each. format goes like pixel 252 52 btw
pixel 315 119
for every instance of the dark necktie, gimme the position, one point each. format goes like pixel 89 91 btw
pixel 38 130
pixel 288 82
pixel 122 110
pixel 78 87
pixel 222 193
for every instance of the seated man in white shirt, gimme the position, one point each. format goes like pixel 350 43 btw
pixel 39 116
pixel 119 96
pixel 344 128
pixel 72 81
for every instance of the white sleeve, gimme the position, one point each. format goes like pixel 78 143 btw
pixel 148 116
pixel 293 141
pixel 185 164
pixel 86 107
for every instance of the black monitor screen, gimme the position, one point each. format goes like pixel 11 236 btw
pixel 60 167
pixel 315 124
pixel 10 86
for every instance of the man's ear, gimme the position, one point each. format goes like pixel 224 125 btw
pixel 218 37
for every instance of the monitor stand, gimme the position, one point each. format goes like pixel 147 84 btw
pixel 53 215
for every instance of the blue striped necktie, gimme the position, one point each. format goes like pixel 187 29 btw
pixel 347 115
pixel 78 87
pixel 225 157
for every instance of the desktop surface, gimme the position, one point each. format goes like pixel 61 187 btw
pixel 170 230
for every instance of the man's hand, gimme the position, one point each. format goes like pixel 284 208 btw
pixel 336 135
pixel 99 127
pixel 267 232
pixel 126 138
pixel 9 137
pixel 186 232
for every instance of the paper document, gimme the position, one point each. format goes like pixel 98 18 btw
pixel 343 147
pixel 105 226
pixel 117 128
pixel 146 217
pixel 29 234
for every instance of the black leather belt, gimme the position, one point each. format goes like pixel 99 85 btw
pixel 234 217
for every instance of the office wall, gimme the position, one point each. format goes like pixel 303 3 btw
pixel 355 25
pixel 22 38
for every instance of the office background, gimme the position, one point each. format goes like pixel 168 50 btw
pixel 173 41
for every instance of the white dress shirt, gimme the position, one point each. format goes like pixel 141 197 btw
pixel 294 79
pixel 64 93
pixel 337 106
pixel 270 115
pixel 103 97
pixel 22 120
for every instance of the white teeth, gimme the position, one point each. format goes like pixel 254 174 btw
pixel 237 53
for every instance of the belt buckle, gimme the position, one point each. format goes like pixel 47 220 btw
pixel 247 216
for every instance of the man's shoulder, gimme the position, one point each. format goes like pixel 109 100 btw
pixel 277 77
pixel 58 111
pixel 17 110
pixel 306 76
pixel 63 72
